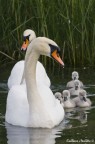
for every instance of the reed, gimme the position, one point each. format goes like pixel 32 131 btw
pixel 71 23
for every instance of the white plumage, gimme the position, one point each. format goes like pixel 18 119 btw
pixel 75 76
pixel 18 69
pixel 38 107
pixel 68 103
pixel 82 100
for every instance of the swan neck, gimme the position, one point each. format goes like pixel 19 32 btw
pixel 30 76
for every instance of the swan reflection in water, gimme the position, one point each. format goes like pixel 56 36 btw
pixel 79 114
pixel 21 135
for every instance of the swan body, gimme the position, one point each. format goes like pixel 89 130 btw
pixel 68 103
pixel 16 74
pixel 75 76
pixel 15 77
pixel 38 107
pixel 82 100
pixel 18 69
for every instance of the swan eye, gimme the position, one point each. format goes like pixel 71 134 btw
pixel 53 48
pixel 26 38
pixel 55 54
pixel 25 43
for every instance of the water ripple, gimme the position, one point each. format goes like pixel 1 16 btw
pixel 3 86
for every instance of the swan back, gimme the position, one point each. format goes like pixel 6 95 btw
pixel 16 74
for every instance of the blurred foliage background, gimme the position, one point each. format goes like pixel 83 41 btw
pixel 70 23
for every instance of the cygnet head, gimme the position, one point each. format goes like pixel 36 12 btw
pixel 45 46
pixel 77 84
pixel 65 95
pixel 58 95
pixel 75 75
pixel 82 95
pixel 28 36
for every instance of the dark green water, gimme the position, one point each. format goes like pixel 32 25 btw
pixel 78 126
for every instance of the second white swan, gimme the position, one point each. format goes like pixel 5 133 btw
pixel 18 69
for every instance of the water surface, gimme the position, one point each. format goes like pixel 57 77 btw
pixel 78 125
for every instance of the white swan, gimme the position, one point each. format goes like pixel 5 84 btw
pixel 68 103
pixel 75 76
pixel 37 108
pixel 17 71
pixel 82 100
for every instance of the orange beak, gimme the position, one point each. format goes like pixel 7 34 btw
pixel 56 56
pixel 25 44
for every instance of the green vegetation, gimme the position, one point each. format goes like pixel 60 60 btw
pixel 71 23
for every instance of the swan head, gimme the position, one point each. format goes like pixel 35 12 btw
pixel 47 47
pixel 65 95
pixel 28 36
pixel 83 95
pixel 77 84
pixel 75 75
